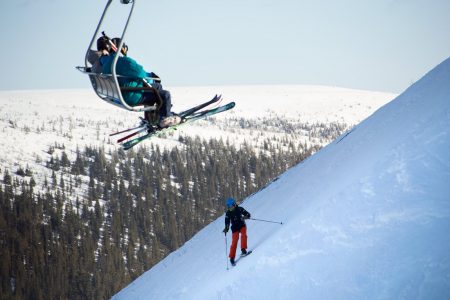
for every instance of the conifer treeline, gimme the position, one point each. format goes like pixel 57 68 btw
pixel 138 207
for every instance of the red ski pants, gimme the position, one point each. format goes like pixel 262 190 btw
pixel 235 238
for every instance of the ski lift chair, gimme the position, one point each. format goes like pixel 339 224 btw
pixel 106 86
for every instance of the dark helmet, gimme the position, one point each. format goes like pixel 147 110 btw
pixel 103 43
pixel 116 42
pixel 230 202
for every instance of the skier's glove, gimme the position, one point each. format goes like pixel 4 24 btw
pixel 225 230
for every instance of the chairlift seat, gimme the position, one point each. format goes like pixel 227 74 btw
pixel 105 87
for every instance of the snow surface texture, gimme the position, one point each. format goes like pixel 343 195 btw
pixel 367 217
pixel 31 122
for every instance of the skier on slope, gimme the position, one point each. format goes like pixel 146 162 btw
pixel 236 215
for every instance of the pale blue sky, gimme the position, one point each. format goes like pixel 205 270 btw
pixel 380 45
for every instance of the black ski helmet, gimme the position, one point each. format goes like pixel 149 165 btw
pixel 116 42
pixel 103 43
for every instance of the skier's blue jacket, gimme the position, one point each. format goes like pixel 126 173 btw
pixel 127 66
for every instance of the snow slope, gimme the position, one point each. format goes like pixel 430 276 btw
pixel 367 217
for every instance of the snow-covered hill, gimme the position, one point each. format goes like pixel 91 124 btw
pixel 367 217
pixel 33 122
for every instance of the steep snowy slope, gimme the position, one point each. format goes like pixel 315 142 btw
pixel 365 218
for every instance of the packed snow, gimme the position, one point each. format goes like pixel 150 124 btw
pixel 367 217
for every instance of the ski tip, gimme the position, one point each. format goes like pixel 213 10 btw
pixel 230 104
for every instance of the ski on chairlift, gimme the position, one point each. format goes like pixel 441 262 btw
pixel 119 80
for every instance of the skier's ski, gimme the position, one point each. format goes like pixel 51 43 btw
pixel 145 125
pixel 129 144
pixel 143 129
pixel 142 125
pixel 190 111
pixel 242 256
pixel 187 119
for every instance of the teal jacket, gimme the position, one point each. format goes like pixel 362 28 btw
pixel 127 66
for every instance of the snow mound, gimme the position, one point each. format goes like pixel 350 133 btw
pixel 367 217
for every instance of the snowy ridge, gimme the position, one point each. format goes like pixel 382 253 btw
pixel 367 217
pixel 32 122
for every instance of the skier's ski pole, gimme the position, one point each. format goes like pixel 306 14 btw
pixel 281 223
pixel 226 249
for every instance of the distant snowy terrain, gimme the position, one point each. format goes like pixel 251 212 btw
pixel 367 217
pixel 33 122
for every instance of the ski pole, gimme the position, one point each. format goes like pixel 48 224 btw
pixel 281 223
pixel 226 249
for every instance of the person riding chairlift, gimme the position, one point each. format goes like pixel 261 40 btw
pixel 135 73
pixel 93 57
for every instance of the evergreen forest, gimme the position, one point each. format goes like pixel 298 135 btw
pixel 102 219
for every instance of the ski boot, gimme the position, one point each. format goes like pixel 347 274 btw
pixel 233 263
pixel 169 121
